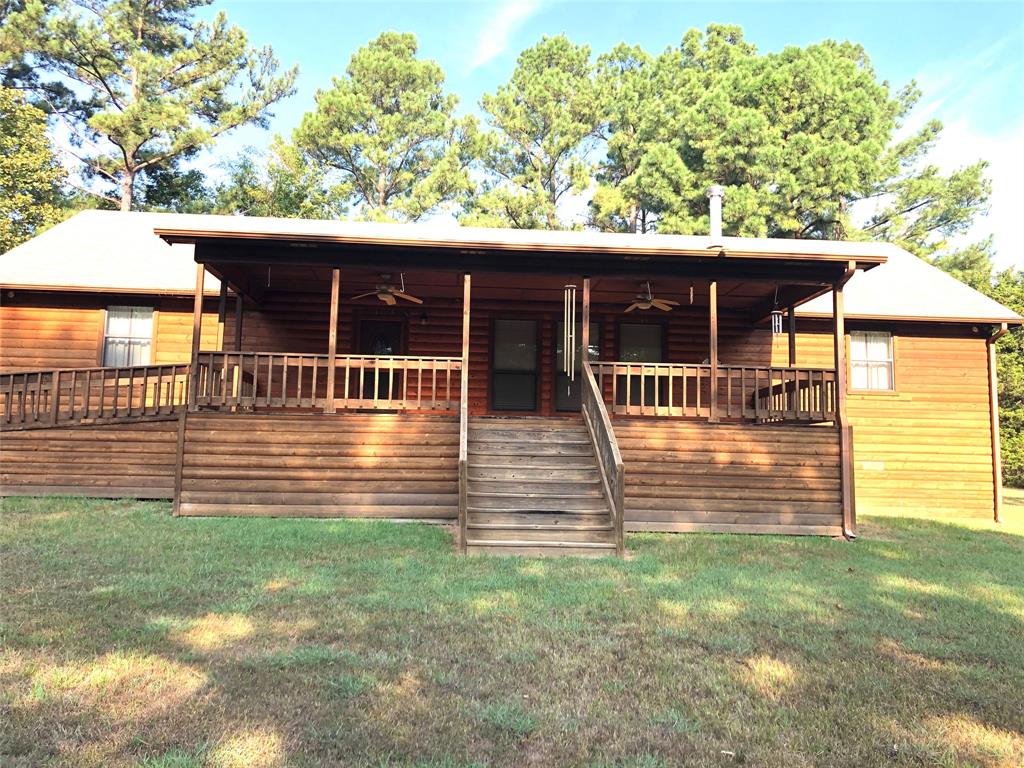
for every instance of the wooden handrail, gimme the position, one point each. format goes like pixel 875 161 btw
pixel 70 396
pixel 606 447
pixel 467 281
pixel 463 464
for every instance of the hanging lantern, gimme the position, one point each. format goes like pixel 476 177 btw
pixel 776 315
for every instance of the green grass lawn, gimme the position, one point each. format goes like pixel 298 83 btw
pixel 131 638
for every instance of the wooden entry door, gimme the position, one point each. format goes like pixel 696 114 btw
pixel 380 338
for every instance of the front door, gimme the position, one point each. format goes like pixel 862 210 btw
pixel 514 365
pixel 379 338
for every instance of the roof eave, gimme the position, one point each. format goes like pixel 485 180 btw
pixel 915 318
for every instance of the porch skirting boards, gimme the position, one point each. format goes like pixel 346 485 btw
pixel 680 475
pixel 108 461
pixel 317 465
pixel 743 478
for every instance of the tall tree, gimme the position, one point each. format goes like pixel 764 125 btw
pixel 157 84
pixel 643 168
pixel 278 183
pixel 802 140
pixel 387 131
pixel 544 122
pixel 30 176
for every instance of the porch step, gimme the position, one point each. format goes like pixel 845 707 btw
pixel 527 548
pixel 534 488
pixel 540 521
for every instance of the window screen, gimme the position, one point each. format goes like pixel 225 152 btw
pixel 128 336
pixel 871 362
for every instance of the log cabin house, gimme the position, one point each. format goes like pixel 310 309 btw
pixel 547 391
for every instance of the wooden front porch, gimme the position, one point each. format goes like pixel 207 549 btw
pixel 378 408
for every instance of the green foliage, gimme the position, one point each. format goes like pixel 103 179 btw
pixel 973 266
pixel 171 189
pixel 388 131
pixel 157 83
pixel 544 121
pixel 278 183
pixel 794 136
pixel 30 176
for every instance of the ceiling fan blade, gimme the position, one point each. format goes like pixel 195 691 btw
pixel 387 298
pixel 363 295
pixel 663 306
pixel 669 302
pixel 406 296
pixel 632 306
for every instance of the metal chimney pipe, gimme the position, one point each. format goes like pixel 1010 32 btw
pixel 715 195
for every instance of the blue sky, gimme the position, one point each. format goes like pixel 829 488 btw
pixel 967 57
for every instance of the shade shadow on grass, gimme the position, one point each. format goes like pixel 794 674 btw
pixel 132 636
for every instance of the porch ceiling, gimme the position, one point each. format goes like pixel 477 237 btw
pixel 734 295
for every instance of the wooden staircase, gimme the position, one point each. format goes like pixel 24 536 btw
pixel 534 488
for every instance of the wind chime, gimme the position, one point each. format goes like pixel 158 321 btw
pixel 776 314
pixel 569 336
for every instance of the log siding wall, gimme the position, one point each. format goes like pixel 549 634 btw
pixel 44 330
pixel 924 449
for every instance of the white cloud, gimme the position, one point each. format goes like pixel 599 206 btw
pixel 966 93
pixel 496 34
pixel 962 144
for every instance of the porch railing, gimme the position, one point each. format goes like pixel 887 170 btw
pixel 68 396
pixel 613 472
pixel 680 390
pixel 292 380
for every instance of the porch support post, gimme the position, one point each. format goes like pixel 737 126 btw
pixel 332 340
pixel 845 431
pixel 993 413
pixel 239 309
pixel 713 350
pixel 791 317
pixel 466 284
pixel 222 313
pixel 197 330
pixel 585 329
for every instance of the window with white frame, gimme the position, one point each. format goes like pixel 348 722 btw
pixel 128 336
pixel 871 361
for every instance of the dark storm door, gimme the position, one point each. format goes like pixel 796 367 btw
pixel 381 338
pixel 514 365
pixel 567 391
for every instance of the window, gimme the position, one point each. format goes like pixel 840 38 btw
pixel 641 343
pixel 128 336
pixel 871 365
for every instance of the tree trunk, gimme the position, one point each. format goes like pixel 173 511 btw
pixel 127 188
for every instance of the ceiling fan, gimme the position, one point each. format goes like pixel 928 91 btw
pixel 389 293
pixel 645 300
